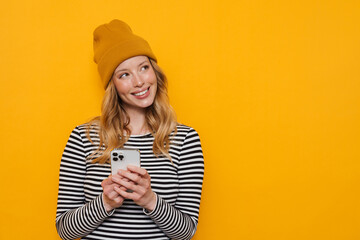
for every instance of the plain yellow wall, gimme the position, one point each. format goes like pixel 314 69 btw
pixel 273 88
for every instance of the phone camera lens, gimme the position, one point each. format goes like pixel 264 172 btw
pixel 114 154
pixel 121 157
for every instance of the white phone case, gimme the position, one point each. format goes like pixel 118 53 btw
pixel 122 157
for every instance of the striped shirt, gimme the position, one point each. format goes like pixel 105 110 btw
pixel 177 184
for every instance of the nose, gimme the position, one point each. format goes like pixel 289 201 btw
pixel 138 81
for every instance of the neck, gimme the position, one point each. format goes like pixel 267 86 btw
pixel 138 123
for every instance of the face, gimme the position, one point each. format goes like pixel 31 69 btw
pixel 136 83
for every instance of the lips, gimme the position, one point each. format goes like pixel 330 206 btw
pixel 141 93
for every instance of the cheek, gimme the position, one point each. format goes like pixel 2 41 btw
pixel 154 86
pixel 121 87
pixel 151 77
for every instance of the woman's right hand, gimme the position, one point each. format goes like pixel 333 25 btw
pixel 111 198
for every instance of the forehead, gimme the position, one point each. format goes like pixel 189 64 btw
pixel 132 62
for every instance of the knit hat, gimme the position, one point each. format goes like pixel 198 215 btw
pixel 114 43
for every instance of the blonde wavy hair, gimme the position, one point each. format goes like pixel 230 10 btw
pixel 113 124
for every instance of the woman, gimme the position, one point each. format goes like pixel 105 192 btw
pixel 166 189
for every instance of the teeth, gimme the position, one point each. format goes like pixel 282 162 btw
pixel 141 93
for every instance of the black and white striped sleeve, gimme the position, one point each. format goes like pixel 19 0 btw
pixel 74 217
pixel 179 221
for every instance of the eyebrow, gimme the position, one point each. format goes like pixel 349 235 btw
pixel 124 69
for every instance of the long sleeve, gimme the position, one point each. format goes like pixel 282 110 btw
pixel 179 221
pixel 75 217
pixel 177 184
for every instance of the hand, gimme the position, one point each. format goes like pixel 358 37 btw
pixel 111 198
pixel 138 180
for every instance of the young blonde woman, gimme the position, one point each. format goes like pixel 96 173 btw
pixel 136 114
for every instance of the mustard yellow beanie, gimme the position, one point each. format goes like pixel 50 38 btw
pixel 114 42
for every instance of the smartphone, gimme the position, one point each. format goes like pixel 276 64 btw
pixel 122 157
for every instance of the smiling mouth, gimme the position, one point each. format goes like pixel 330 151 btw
pixel 141 93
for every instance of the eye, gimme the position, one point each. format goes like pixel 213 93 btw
pixel 123 75
pixel 145 67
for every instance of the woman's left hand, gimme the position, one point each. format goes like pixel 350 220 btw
pixel 140 184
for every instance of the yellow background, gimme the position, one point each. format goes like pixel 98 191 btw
pixel 272 87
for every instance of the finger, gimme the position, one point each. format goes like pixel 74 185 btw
pixel 112 195
pixel 116 178
pixel 138 170
pixel 119 181
pixel 109 189
pixel 126 179
pixel 136 178
pixel 125 194
pixel 119 199
pixel 107 181
pixel 128 185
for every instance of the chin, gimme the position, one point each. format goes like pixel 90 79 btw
pixel 147 105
